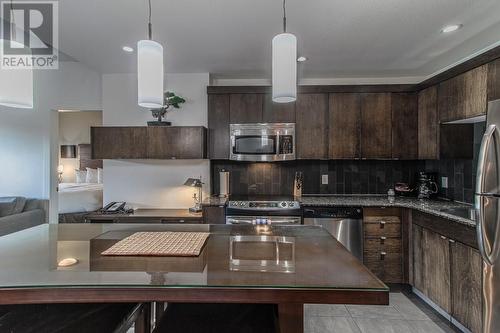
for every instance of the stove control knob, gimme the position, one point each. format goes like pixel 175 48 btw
pixel 291 204
pixel 242 204
pixel 283 204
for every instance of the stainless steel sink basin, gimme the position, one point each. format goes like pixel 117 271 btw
pixel 465 212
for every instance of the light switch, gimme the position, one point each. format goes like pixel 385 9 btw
pixel 324 179
pixel 444 182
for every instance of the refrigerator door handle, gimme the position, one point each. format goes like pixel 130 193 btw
pixel 488 137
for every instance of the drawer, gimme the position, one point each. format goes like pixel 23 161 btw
pixel 382 229
pixel 377 219
pixel 382 243
pixel 388 267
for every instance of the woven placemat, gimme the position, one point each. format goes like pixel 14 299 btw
pixel 164 244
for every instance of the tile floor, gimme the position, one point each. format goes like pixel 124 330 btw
pixel 405 314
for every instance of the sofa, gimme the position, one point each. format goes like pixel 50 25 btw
pixel 18 213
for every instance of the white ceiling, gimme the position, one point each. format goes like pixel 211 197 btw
pixel 232 38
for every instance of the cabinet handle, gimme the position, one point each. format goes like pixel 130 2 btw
pixel 451 241
pixel 382 224
pixel 382 255
pixel 442 237
pixel 382 239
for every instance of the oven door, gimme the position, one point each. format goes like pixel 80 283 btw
pixel 264 220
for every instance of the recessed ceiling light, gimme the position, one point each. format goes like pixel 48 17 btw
pixel 301 59
pixel 451 28
pixel 128 49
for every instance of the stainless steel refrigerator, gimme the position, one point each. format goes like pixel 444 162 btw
pixel 488 208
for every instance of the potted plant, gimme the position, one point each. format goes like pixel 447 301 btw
pixel 170 100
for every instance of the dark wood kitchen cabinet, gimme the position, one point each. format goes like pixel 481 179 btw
pixel 445 269
pixel 494 80
pixel 451 99
pixel 344 126
pixel 218 126
pixel 176 142
pixel 428 124
pixel 173 142
pixel 311 128
pixel 475 91
pixel 118 142
pixel 277 112
pixel 466 286
pixel 214 214
pixel 376 131
pixel 245 108
pixel 404 126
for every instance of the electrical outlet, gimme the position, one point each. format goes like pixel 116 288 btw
pixel 324 179
pixel 444 182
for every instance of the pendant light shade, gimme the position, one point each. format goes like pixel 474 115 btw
pixel 16 85
pixel 150 74
pixel 284 68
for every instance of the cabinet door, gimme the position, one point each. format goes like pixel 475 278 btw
pixel 428 124
pixel 476 91
pixel 312 126
pixel 344 126
pixel 451 97
pixel 404 126
pixel 218 126
pixel 245 108
pixel 118 142
pixel 176 142
pixel 376 123
pixel 466 287
pixel 214 215
pixel 494 80
pixel 436 268
pixel 278 112
pixel 418 262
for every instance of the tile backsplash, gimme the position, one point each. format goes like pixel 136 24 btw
pixel 344 176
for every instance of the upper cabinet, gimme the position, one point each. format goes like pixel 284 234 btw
pixel 311 128
pixel 463 96
pixel 277 112
pixel 404 126
pixel 218 126
pixel 245 108
pixel 344 126
pixel 376 122
pixel 172 142
pixel 494 80
pixel 428 124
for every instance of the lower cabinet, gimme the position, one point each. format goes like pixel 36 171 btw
pixel 382 250
pixel 214 215
pixel 449 274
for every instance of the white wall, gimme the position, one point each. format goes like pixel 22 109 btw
pixel 153 183
pixel 74 129
pixel 28 137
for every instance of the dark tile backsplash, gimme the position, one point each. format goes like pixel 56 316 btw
pixel 344 177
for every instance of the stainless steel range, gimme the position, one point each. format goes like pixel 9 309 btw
pixel 264 211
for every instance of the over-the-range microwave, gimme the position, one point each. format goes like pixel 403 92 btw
pixel 262 142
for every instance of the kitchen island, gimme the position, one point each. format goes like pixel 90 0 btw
pixel 286 266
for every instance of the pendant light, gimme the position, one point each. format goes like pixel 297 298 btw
pixel 149 70
pixel 284 65
pixel 16 85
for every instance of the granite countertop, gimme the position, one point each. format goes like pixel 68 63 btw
pixel 427 206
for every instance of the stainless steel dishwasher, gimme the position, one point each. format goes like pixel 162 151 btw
pixel 343 223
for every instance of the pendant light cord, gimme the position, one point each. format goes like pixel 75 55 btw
pixel 150 26
pixel 284 16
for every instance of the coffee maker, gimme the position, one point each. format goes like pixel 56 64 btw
pixel 427 185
